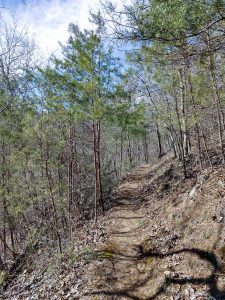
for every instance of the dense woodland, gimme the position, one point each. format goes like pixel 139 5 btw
pixel 72 127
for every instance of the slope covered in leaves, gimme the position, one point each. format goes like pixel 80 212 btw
pixel 163 239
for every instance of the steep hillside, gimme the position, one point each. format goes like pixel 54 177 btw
pixel 163 239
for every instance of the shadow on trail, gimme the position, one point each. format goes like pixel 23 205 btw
pixel 210 281
pixel 127 285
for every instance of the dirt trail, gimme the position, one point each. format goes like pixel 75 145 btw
pixel 164 239
pixel 123 273
pixel 161 247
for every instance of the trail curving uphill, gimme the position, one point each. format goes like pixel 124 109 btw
pixel 164 238
pixel 121 270
pixel 154 249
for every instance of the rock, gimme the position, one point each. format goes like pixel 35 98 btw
pixel 192 294
pixel 167 273
pixel 202 178
pixel 221 183
pixel 220 219
pixel 193 191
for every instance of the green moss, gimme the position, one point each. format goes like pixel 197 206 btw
pixel 149 260
pixel 107 254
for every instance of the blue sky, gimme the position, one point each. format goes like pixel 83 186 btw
pixel 47 20
pixel 13 3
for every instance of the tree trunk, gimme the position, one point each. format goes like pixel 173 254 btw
pixel 55 215
pixel 217 100
pixel 145 148
pixel 96 131
pixel 160 151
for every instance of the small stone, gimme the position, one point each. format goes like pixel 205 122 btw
pixel 202 178
pixel 221 183
pixel 193 191
pixel 220 219
pixel 167 273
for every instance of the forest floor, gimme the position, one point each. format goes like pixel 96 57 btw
pixel 163 239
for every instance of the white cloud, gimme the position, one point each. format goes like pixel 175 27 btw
pixel 48 20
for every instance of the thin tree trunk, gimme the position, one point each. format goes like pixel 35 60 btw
pixel 145 148
pixel 121 152
pixel 180 143
pixel 101 202
pixel 55 216
pixel 97 166
pixel 217 100
pixel 184 115
pixel 160 151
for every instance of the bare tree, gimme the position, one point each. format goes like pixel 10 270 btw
pixel 16 57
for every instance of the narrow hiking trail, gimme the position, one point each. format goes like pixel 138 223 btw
pixel 158 247
pixel 124 273
pixel 164 239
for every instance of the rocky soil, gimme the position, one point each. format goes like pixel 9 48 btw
pixel 163 239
